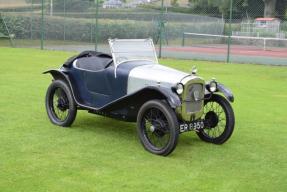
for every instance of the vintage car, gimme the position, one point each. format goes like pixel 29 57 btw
pixel 131 85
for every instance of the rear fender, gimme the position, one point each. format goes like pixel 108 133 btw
pixel 60 75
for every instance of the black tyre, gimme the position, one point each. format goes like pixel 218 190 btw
pixel 60 105
pixel 157 127
pixel 219 119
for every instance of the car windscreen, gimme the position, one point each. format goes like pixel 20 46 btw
pixel 132 49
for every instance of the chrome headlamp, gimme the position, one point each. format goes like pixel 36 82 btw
pixel 178 88
pixel 212 86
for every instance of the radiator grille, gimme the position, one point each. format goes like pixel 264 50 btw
pixel 193 98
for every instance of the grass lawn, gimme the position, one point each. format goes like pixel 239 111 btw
pixel 102 154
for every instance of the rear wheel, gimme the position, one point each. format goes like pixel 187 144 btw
pixel 219 119
pixel 60 105
pixel 157 127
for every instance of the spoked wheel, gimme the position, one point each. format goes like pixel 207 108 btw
pixel 157 127
pixel 219 120
pixel 60 105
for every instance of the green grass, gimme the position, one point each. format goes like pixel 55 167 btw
pixel 102 154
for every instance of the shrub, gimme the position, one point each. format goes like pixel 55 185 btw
pixel 77 29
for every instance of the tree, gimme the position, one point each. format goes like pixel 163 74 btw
pixel 174 3
pixel 269 8
pixel 275 8
pixel 218 7
pixel 241 8
pixel 281 9
pixel 72 5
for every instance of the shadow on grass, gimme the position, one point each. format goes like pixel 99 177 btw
pixel 99 124
pixel 112 127
pixel 189 145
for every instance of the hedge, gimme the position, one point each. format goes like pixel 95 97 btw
pixel 83 29
pixel 142 15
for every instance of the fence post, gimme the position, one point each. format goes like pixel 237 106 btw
pixel 65 20
pixel 229 30
pixel 51 7
pixel 31 20
pixel 183 40
pixel 42 25
pixel 160 29
pixel 97 25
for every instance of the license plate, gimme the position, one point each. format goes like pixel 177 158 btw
pixel 192 126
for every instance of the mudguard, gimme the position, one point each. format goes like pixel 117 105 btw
pixel 143 95
pixel 171 97
pixel 57 74
pixel 225 91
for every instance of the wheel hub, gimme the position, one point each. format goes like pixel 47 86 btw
pixel 158 128
pixel 152 128
pixel 62 104
pixel 212 119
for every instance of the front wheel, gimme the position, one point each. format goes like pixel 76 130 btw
pixel 60 105
pixel 219 120
pixel 157 127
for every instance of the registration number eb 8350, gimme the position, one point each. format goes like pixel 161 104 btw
pixel 192 126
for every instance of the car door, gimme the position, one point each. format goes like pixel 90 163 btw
pixel 98 86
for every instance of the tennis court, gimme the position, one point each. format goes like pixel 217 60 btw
pixel 213 52
pixel 235 49
pixel 261 50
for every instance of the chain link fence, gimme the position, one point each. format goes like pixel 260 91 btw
pixel 248 31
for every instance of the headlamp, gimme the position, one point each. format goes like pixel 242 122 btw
pixel 179 88
pixel 212 86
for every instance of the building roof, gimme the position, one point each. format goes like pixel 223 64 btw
pixel 266 19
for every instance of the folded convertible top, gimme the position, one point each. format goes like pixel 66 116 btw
pixel 70 61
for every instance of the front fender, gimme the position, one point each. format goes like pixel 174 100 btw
pixel 143 95
pixel 172 98
pixel 225 91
